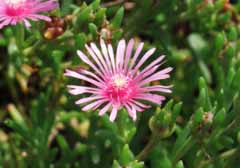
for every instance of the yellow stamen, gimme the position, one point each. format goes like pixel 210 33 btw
pixel 119 81
pixel 15 2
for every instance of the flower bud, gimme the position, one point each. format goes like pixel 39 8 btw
pixel 208 117
pixel 49 33
pixel 68 18
pixel 106 34
pixel 54 28
pixel 161 124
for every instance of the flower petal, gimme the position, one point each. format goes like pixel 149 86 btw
pixel 88 99
pixel 157 61
pixel 87 61
pixel 137 53
pixel 140 104
pixel 105 53
pixel 143 59
pixel 128 54
pixel 149 72
pixel 131 111
pixel 156 88
pixel 113 114
pixel 104 109
pixel 120 55
pixel 157 76
pixel 76 90
pixel 100 57
pixel 79 76
pixel 92 54
pixel 150 97
pixel 94 104
pixel 5 22
pixel 111 54
pixel 85 72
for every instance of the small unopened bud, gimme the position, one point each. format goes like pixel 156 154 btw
pixel 54 28
pixel 129 5
pixel 24 154
pixel 49 33
pixel 3 136
pixel 58 22
pixel 208 117
pixel 106 34
pixel 59 31
pixel 160 124
pixel 74 122
pixel 227 5
pixel 68 18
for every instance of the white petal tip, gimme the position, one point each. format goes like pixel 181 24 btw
pixel 134 119
pixel 111 120
pixel 100 114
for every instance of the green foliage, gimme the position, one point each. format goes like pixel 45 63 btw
pixel 198 126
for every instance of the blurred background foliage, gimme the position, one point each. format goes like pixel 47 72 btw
pixel 199 125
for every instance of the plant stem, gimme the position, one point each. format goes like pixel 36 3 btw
pixel 12 89
pixel 19 36
pixel 183 149
pixel 30 50
pixel 154 140
pixel 222 156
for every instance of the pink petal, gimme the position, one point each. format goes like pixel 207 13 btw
pixel 3 18
pixel 132 112
pixel 76 90
pixel 143 59
pixel 14 22
pixel 128 54
pixel 157 76
pixel 27 23
pixel 158 60
pixel 37 16
pixel 104 109
pixel 137 53
pixel 88 99
pixel 151 97
pixel 113 114
pixel 99 55
pixel 95 59
pixel 92 105
pixel 111 54
pixel 5 22
pixel 87 61
pixel 140 104
pixel 120 54
pixel 105 53
pixel 83 71
pixel 79 76
pixel 135 107
pixel 149 72
pixel 157 88
pixel 45 6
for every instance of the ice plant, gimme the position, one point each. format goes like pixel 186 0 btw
pixel 116 80
pixel 14 11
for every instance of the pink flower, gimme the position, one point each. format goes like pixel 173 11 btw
pixel 14 11
pixel 116 81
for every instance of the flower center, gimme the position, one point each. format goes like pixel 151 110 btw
pixel 119 89
pixel 119 81
pixel 15 3
pixel 16 7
